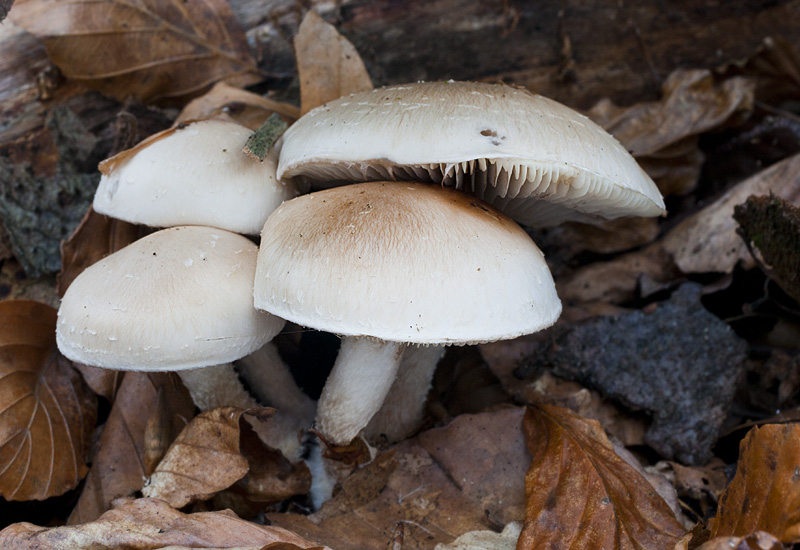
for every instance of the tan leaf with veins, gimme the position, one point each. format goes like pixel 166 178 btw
pixel 119 466
pixel 47 413
pixel 152 49
pixel 146 524
pixel 203 460
pixel 328 65
pixel 581 495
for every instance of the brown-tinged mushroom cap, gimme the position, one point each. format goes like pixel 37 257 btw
pixel 389 263
pixel 503 144
pixel 179 298
pixel 193 174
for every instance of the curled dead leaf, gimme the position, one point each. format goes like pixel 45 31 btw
pixel 47 413
pixel 145 524
pixel 708 242
pixel 154 51
pixel 328 65
pixel 765 492
pixel 246 108
pixel 119 465
pixel 580 494
pixel 203 460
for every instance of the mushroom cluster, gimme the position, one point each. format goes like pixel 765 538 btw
pixel 180 299
pixel 410 242
pixel 536 160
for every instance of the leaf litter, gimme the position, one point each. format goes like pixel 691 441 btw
pixel 465 480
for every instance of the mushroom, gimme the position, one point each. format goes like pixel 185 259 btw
pixel 179 299
pixel 537 160
pixel 192 174
pixel 389 264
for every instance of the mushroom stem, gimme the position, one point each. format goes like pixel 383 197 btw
pixel 404 407
pixel 219 385
pixel 216 386
pixel 357 386
pixel 273 384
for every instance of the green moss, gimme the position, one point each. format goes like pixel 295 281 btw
pixel 772 226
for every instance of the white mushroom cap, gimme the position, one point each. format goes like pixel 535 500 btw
pixel 193 174
pixel 179 298
pixel 503 144
pixel 403 262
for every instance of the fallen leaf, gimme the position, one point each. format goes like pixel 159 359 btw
pixel 118 468
pixel 580 494
pixel 104 382
pixel 203 460
pixel 435 501
pixel 662 134
pixel 765 492
pixel 707 241
pixel 618 280
pixel 154 51
pixel 486 540
pixel 246 108
pixel 328 65
pixel 47 414
pixel 149 524
pixel 487 454
pixel 271 477
pixel 96 237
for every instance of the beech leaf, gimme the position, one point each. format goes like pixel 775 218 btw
pixel 328 65
pixel 582 495
pixel 119 466
pixel 147 524
pixel 765 492
pixel 246 108
pixel 153 50
pixel 47 413
pixel 203 460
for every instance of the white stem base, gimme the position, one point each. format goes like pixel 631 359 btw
pixel 361 377
pixel 272 383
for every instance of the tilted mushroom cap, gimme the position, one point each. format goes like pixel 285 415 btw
pixel 194 174
pixel 503 144
pixel 179 298
pixel 403 262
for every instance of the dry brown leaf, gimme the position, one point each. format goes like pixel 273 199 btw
pixel 118 468
pixel 618 280
pixel 765 492
pixel 246 108
pixel 435 501
pixel 104 382
pixel 328 65
pixel 96 237
pixel 154 51
pixel 662 135
pixel 580 494
pixel 707 241
pixel 203 460
pixel 486 540
pixel 271 477
pixel 149 524
pixel 47 414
